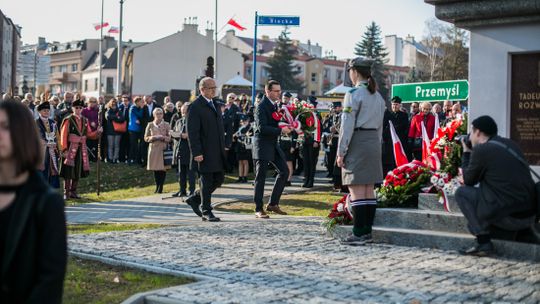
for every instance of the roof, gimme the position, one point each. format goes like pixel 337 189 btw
pixel 266 45
pixel 109 60
pixel 238 81
pixel 340 89
pixel 339 63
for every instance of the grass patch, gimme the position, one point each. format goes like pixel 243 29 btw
pixel 317 203
pixel 94 282
pixel 120 181
pixel 106 227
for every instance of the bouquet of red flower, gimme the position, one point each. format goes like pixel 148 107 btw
pixel 339 215
pixel 300 116
pixel 403 183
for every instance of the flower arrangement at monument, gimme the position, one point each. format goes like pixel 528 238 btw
pixel 402 184
pixel 339 215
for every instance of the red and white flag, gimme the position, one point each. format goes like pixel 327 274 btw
pixel 399 153
pixel 425 143
pixel 235 24
pixel 113 30
pixel 98 26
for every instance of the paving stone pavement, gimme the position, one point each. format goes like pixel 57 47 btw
pixel 163 209
pixel 290 260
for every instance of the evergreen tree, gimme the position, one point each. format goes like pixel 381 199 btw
pixel 281 66
pixel 371 46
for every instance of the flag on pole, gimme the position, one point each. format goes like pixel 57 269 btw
pixel 235 24
pixel 425 143
pixel 399 153
pixel 98 26
pixel 113 30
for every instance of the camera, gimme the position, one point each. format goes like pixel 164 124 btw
pixel 466 138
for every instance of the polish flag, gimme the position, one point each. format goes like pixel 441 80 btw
pixel 98 26
pixel 235 24
pixel 113 30
pixel 399 153
pixel 425 143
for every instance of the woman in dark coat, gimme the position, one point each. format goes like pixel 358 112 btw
pixel 33 247
pixel 113 137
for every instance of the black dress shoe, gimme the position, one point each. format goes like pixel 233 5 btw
pixel 480 250
pixel 288 183
pixel 194 202
pixel 177 194
pixel 209 216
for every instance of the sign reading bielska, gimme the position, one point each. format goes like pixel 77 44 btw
pixel 279 20
pixel 432 91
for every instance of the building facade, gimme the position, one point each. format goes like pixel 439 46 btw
pixel 33 67
pixel 176 61
pixel 10 40
pixel 90 75
pixel 69 59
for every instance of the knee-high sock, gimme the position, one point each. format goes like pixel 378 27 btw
pixel 360 217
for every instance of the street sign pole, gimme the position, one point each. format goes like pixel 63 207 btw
pixel 254 73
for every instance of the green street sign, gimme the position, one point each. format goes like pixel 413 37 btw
pixel 432 91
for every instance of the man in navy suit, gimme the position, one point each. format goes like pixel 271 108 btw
pixel 206 138
pixel 266 150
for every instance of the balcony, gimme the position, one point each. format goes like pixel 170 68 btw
pixel 59 76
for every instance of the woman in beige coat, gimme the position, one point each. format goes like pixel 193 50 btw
pixel 157 134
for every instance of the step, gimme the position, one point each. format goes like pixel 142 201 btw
pixel 430 201
pixel 421 219
pixel 445 241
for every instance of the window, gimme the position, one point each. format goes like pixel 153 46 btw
pixel 313 77
pixel 86 85
pixel 326 73
pixel 339 74
pixel 74 67
pixel 109 87
pixel 96 84
pixel 52 69
pixel 313 93
pixel 299 69
pixel 63 68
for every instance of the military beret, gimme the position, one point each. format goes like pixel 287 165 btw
pixel 312 99
pixel 43 106
pixel 396 99
pixel 78 103
pixel 287 94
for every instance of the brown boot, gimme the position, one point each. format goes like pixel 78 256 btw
pixel 275 209
pixel 67 189
pixel 74 184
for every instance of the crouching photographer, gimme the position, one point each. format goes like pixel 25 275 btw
pixel 498 188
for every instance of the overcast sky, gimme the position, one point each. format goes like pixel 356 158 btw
pixel 336 25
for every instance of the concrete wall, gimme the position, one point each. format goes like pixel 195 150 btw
pixel 175 61
pixel 490 68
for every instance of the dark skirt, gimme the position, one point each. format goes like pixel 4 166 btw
pixel 242 153
pixel 73 172
pixel 286 146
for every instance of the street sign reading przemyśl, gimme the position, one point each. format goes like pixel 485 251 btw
pixel 432 91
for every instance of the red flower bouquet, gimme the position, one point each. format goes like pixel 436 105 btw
pixel 403 183
pixel 339 215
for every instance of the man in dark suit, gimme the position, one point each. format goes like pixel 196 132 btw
pixel 207 145
pixel 266 150
pixel 400 120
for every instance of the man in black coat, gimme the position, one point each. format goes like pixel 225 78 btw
pixel 266 150
pixel 505 193
pixel 207 145
pixel 400 120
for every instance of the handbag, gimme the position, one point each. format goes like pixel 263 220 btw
pixel 168 156
pixel 120 127
pixel 536 185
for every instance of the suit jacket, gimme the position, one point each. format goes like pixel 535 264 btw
pixel 266 132
pixel 400 120
pixel 147 116
pixel 181 146
pixel 506 187
pixel 206 135
pixel 35 254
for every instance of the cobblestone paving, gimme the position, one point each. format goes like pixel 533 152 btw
pixel 289 260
